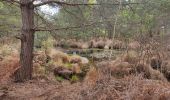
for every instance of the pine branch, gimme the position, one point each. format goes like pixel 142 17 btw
pixel 78 4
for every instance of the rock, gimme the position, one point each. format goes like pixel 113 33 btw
pixel 64 72
pixel 84 60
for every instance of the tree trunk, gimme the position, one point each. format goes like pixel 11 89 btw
pixel 27 41
pixel 110 30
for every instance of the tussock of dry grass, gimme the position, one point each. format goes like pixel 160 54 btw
pixel 7 67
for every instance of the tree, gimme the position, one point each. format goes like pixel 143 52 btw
pixel 28 29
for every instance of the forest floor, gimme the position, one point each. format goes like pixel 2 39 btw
pixel 98 84
pixel 129 88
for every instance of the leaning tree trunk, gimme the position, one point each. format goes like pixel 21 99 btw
pixel 27 41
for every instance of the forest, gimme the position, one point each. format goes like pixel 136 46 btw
pixel 84 50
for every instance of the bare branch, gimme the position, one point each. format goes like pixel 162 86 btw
pixel 77 4
pixel 12 1
pixel 64 28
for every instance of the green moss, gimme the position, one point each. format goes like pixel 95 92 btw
pixel 59 78
pixel 68 65
pixel 74 78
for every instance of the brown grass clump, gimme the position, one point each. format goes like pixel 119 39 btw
pixel 156 62
pixel 75 59
pixel 108 44
pixel 120 69
pixel 149 72
pixel 100 44
pixel 130 57
pixel 92 43
pixel 117 44
pixel 57 56
pixel 74 45
pixel 134 45
pixel 166 69
pixel 164 95
pixel 40 57
pixel 38 70
pixel 157 75
pixel 91 76
pixel 84 46
pixel 76 68
pixel 8 66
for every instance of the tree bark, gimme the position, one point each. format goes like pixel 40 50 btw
pixel 27 41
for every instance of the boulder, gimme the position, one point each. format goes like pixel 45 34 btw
pixel 63 72
pixel 92 76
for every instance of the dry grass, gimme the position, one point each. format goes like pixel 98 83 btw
pixel 7 67
pixel 139 79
